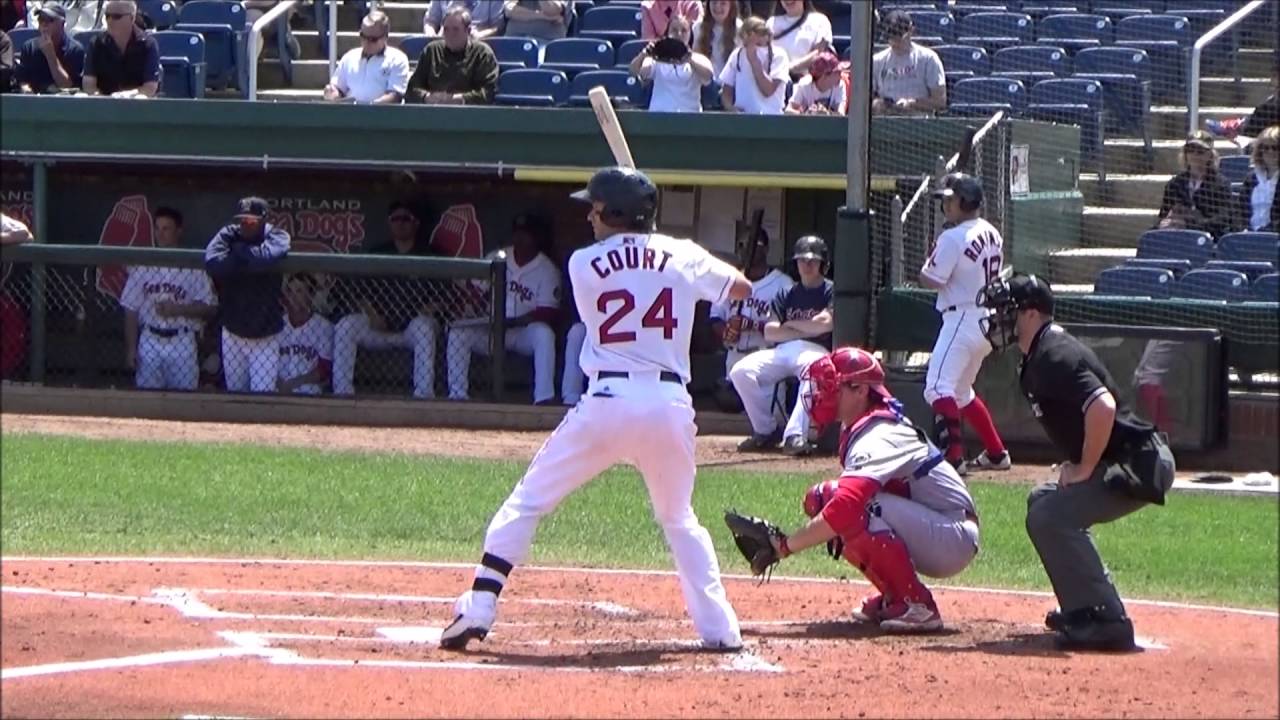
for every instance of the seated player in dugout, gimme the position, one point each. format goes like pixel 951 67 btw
pixel 306 343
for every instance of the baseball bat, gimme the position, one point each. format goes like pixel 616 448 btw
pixel 609 125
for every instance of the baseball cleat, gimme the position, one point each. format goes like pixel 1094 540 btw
pixel 460 632
pixel 474 613
pixel 759 441
pixel 986 462
pixel 871 609
pixel 914 618
pixel 796 446
pixel 962 467
pixel 1097 634
pixel 722 646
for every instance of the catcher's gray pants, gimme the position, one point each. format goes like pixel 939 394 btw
pixel 940 545
pixel 1058 522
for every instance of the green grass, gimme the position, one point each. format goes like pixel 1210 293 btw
pixel 69 495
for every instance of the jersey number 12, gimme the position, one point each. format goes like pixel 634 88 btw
pixel 659 315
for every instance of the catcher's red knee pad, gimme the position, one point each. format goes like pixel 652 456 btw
pixel 818 496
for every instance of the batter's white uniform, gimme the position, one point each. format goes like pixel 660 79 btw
pixel 535 285
pixel 636 294
pixel 166 345
pixel 304 347
pixel 965 259
pixel 758 309
pixel 573 381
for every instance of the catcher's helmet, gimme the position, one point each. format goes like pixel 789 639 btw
pixel 630 198
pixel 962 186
pixel 844 366
pixel 810 247
pixel 1006 297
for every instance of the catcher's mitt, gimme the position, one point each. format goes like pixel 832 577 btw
pixel 752 536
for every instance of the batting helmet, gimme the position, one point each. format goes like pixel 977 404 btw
pixel 962 186
pixel 810 247
pixel 630 198
pixel 844 366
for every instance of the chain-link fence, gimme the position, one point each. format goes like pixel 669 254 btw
pixel 90 316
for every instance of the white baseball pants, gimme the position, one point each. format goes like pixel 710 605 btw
pixel 353 332
pixel 167 362
pixel 250 364
pixel 957 357
pixel 755 376
pixel 940 546
pixel 573 381
pixel 535 339
pixel 599 432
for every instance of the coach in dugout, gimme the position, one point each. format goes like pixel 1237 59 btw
pixel 1115 463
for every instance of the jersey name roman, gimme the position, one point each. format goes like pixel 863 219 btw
pixel 630 257
pixel 979 243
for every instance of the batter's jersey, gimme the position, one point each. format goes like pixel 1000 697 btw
pixel 637 294
pixel 965 259
pixel 302 347
pixel 534 285
pixel 803 303
pixel 147 286
pixel 757 308
pixel 895 454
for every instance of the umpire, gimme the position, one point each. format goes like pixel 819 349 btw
pixel 1116 462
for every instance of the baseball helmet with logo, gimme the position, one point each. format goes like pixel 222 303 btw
pixel 630 198
pixel 966 188
pixel 844 366
pixel 810 247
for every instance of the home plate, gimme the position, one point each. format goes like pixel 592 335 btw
pixel 411 634
pixel 1147 643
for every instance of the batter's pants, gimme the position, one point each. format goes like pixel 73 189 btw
pixel 957 357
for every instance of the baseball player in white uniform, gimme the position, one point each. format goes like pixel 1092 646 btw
pixel 636 291
pixel 165 309
pixel 306 343
pixel 533 304
pixel 573 382
pixel 966 257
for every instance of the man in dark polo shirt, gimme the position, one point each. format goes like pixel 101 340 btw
pixel 122 61
pixel 457 70
pixel 51 61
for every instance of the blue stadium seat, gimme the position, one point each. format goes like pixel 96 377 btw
pixel 1031 63
pixel 995 30
pixel 1250 247
pixel 976 6
pixel 1177 267
pixel 985 96
pixel 616 24
pixel 182 63
pixel 1133 281
pixel 624 88
pixel 934 23
pixel 1075 31
pixel 1167 40
pixel 84 37
pixel 964 61
pixel 1076 102
pixel 514 52
pixel 840 45
pixel 1267 288
pixel 163 13
pixel 1234 168
pixel 628 52
pixel 1225 285
pixel 222 23
pixel 532 87
pixel 1251 270
pixel 1041 9
pixel 19 37
pixel 1125 74
pixel 574 55
pixel 413 45
pixel 1193 246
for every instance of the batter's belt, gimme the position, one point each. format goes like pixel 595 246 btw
pixel 664 376
pixel 167 332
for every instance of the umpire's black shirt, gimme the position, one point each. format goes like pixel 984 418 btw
pixel 1061 377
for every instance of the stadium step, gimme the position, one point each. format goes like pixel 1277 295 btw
pixel 1115 227
pixel 1082 265
pixel 1219 91
pixel 1170 121
pixel 309 40
pixel 1138 191
pixel 1127 155
pixel 307 74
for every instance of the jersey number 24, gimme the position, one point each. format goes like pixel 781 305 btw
pixel 659 315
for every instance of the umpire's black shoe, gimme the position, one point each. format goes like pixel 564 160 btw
pixel 1097 634
pixel 1057 620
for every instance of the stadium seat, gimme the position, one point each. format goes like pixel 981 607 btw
pixel 19 37
pixel 1227 285
pixel 616 24
pixel 1250 247
pixel 1177 267
pixel 574 55
pixel 628 52
pixel 1193 246
pixel 182 63
pixel 1077 102
pixel 163 13
pixel 934 23
pixel 995 30
pixel 413 45
pixel 985 96
pixel 1167 40
pixel 84 37
pixel 222 24
pixel 1267 288
pixel 1075 31
pixel 1031 63
pixel 1041 9
pixel 964 61
pixel 1133 281
pixel 975 6
pixel 532 87
pixel 624 89
pixel 1251 270
pixel 1125 74
pixel 514 52
pixel 1234 168
pixel 840 45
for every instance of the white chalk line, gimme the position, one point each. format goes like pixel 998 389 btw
pixel 1169 604
pixel 609 608
pixel 130 661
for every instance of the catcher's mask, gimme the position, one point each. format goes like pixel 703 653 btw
pixel 1006 297
pixel 818 496
pixel 825 377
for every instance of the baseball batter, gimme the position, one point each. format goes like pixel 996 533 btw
pixel 897 509
pixel 967 255
pixel 306 343
pixel 165 309
pixel 533 304
pixel 801 325
pixel 636 292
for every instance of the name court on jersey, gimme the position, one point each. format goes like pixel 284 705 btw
pixel 980 242
pixel 629 257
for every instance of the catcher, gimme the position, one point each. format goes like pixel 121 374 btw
pixel 896 509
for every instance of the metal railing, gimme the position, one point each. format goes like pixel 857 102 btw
pixel 333 37
pixel 1197 51
pixel 255 40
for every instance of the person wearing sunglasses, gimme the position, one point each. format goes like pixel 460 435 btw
pixel 1196 198
pixel 1258 206
pixel 907 78
pixel 374 73
pixel 123 61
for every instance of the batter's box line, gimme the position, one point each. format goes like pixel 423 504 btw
pixel 603 606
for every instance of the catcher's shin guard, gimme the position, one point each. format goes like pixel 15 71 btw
pixel 946 427
pixel 885 560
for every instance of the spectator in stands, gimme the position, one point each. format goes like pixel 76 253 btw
pixel 6 63
pixel 655 14
pixel 755 77
pixel 716 34
pixel 1197 198
pixel 486 17
pixel 906 78
pixel 824 91
pixel 1264 115
pixel 13 231
pixel 1258 206
pixel 677 80
pixel 123 61
pixel 52 61
pixel 802 31
pixel 457 69
pixel 390 311
pixel 539 20
pixel 374 73
pixel 255 9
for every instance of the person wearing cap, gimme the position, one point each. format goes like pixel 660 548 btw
pixel 242 258
pixel 456 69
pixel 533 307
pixel 124 60
pixel 906 78
pixel 390 311
pixel 1113 462
pixel 51 61
pixel 1197 198
pixel 374 73
pixel 824 91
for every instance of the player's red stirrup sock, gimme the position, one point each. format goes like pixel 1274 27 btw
pixel 1152 404
pixel 883 557
pixel 948 421
pixel 491 574
pixel 979 418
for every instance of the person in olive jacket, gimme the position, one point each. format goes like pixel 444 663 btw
pixel 456 70
pixel 1197 198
